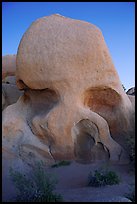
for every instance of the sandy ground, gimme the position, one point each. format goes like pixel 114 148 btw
pixel 73 180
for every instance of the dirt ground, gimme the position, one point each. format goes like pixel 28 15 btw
pixel 73 180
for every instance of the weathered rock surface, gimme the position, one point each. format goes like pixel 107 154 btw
pixel 10 94
pixel 10 91
pixel 9 80
pixel 132 99
pixel 131 91
pixel 8 65
pixel 74 106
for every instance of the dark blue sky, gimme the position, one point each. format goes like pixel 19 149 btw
pixel 115 19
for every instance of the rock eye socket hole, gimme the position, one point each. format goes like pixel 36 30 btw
pixel 106 102
pixel 98 98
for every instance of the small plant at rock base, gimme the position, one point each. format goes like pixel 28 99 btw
pixel 61 163
pixel 131 147
pixel 102 178
pixel 38 186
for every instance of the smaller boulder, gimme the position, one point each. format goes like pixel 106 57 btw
pixel 8 65
pixel 131 91
pixel 9 80
pixel 10 94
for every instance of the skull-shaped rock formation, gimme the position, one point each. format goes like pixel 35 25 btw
pixel 74 106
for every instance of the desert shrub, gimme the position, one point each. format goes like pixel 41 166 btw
pixel 61 163
pixel 102 178
pixel 131 194
pixel 131 147
pixel 37 186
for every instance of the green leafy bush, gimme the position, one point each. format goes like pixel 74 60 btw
pixel 38 186
pixel 102 178
pixel 61 163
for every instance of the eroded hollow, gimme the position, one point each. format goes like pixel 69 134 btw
pixel 21 85
pixel 39 103
pixel 85 150
pixel 101 98
pixel 106 102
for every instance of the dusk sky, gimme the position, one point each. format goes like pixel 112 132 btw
pixel 115 19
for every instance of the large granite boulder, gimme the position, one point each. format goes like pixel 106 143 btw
pixel 74 105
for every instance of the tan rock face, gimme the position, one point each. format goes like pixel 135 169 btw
pixel 10 94
pixel 74 103
pixel 8 65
